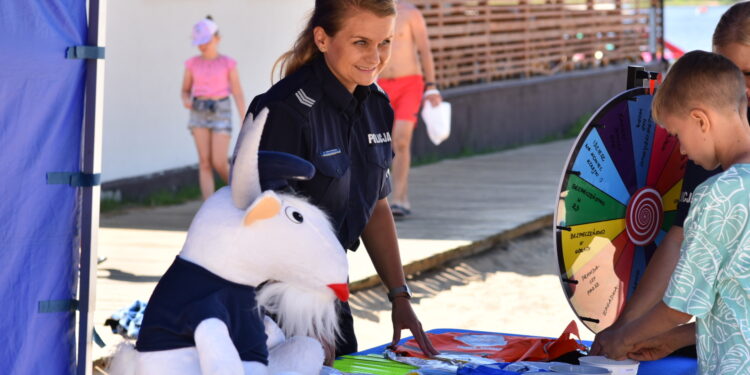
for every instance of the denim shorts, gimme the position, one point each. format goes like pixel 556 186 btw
pixel 212 114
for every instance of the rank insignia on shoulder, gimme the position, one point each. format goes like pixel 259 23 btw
pixel 303 98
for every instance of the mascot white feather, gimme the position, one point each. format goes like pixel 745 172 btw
pixel 203 318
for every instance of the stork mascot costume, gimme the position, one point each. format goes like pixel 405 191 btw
pixel 205 317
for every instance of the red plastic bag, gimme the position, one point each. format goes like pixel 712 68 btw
pixel 496 346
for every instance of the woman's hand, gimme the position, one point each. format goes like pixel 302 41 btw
pixel 403 317
pixel 187 103
pixel 379 238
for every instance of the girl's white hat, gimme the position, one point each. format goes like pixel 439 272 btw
pixel 203 31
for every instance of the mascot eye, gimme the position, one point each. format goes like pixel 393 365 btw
pixel 294 215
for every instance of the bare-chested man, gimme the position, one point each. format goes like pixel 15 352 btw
pixel 403 80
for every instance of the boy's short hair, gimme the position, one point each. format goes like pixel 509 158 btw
pixel 700 79
pixel 733 27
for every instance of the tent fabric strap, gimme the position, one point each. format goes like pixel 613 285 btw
pixel 66 305
pixel 58 305
pixel 77 179
pixel 98 339
pixel 84 52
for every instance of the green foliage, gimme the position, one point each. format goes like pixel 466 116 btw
pixel 110 205
pixel 577 126
pixel 167 198
pixel 162 197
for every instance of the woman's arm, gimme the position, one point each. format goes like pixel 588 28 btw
pixel 187 87
pixel 236 88
pixel 379 237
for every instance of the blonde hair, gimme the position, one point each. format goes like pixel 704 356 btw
pixel 733 27
pixel 330 15
pixel 700 78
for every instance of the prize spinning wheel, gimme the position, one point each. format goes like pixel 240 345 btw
pixel 618 198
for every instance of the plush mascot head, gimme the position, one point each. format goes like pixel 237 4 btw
pixel 250 236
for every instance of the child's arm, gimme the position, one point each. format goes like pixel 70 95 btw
pixel 665 344
pixel 654 281
pixel 653 284
pixel 187 87
pixel 239 96
pixel 618 343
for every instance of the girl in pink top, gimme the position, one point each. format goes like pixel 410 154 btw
pixel 208 81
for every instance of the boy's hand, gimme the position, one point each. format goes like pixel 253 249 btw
pixel 610 343
pixel 652 349
pixel 596 346
pixel 660 346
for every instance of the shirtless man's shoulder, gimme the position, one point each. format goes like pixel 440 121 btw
pixel 408 10
pixel 404 58
pixel 407 6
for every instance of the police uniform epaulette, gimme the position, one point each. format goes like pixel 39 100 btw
pixel 376 88
pixel 306 96
pixel 300 91
pixel 303 97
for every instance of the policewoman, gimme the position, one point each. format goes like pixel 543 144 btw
pixel 328 111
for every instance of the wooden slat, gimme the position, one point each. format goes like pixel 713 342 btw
pixel 484 40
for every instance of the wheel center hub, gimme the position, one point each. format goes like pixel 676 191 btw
pixel 644 216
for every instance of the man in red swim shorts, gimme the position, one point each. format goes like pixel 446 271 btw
pixel 403 81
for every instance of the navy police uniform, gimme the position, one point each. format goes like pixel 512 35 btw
pixel 347 136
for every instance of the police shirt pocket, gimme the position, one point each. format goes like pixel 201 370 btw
pixel 331 184
pixel 332 165
pixel 380 155
pixel 379 159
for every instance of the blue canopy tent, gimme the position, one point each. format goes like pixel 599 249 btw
pixel 50 121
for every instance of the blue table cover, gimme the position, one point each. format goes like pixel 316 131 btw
pixel 669 365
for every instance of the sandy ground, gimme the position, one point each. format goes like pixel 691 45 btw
pixel 513 288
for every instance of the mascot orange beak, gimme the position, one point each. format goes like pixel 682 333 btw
pixel 341 291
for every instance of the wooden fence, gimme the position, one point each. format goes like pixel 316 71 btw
pixel 486 40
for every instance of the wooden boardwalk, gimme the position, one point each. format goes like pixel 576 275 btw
pixel 461 206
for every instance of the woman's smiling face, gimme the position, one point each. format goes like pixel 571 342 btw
pixel 360 50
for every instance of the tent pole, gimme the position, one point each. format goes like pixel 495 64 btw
pixel 91 156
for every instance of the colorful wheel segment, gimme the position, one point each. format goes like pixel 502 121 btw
pixel 618 198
